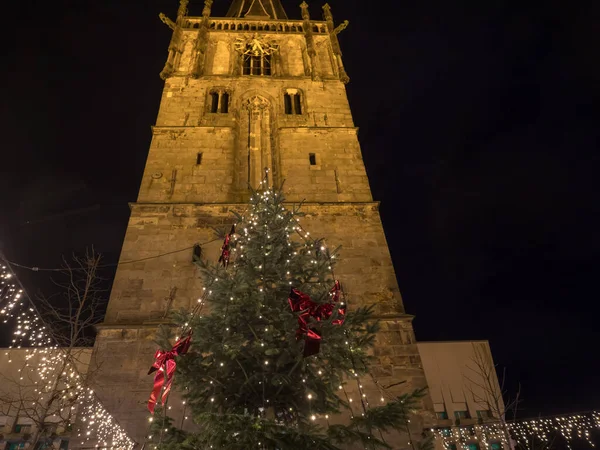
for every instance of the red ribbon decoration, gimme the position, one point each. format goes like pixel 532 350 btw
pixel 165 362
pixel 301 302
pixel 335 299
pixel 225 253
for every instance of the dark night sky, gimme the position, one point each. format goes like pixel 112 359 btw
pixel 479 127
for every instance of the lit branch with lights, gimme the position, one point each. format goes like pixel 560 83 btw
pixel 50 387
pixel 279 352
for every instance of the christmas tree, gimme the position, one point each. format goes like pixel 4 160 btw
pixel 266 366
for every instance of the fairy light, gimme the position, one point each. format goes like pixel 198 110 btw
pixel 52 370
pixel 523 432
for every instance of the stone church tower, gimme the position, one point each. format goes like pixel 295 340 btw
pixel 242 93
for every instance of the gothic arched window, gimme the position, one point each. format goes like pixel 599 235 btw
pixel 256 63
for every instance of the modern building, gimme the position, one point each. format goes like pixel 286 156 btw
pixel 466 394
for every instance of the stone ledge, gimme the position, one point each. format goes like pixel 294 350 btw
pixel 403 317
pixel 241 205
pixel 186 127
pixel 155 324
pixel 130 326
pixel 319 128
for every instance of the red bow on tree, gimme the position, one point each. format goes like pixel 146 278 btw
pixel 164 366
pixel 225 249
pixel 300 302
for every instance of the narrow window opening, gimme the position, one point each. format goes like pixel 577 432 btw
pixel 462 415
pixel 197 253
pixel 214 106
pixel 267 65
pixel 199 159
pixel 224 102
pixel 312 157
pixel 441 415
pixel 297 104
pixel 247 65
pixel 256 60
pixel 292 101
pixel 287 100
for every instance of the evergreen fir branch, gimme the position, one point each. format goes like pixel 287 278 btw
pixel 345 435
pixel 251 431
pixel 163 337
pixel 392 415
pixel 164 436
pixel 427 443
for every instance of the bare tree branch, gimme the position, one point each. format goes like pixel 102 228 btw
pixel 490 391
pixel 46 388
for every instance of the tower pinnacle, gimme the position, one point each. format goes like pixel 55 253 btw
pixel 271 9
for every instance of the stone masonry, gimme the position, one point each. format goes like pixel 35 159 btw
pixel 198 170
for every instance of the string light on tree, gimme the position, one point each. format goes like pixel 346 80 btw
pixel 51 369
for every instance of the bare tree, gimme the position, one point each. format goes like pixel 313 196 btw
pixel 490 391
pixel 49 383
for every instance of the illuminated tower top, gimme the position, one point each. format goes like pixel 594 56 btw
pixel 272 9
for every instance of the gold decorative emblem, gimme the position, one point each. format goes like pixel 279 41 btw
pixel 255 46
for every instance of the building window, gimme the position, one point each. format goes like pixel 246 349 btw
pixel 496 446
pixel 441 415
pixel 473 446
pixel 224 102
pixel 292 102
pixel 22 428
pixel 16 445
pixel 461 415
pixel 259 65
pixel 218 101
pixel 484 414
pixel 451 447
pixel 214 102
pixel 199 159
pixel 312 158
